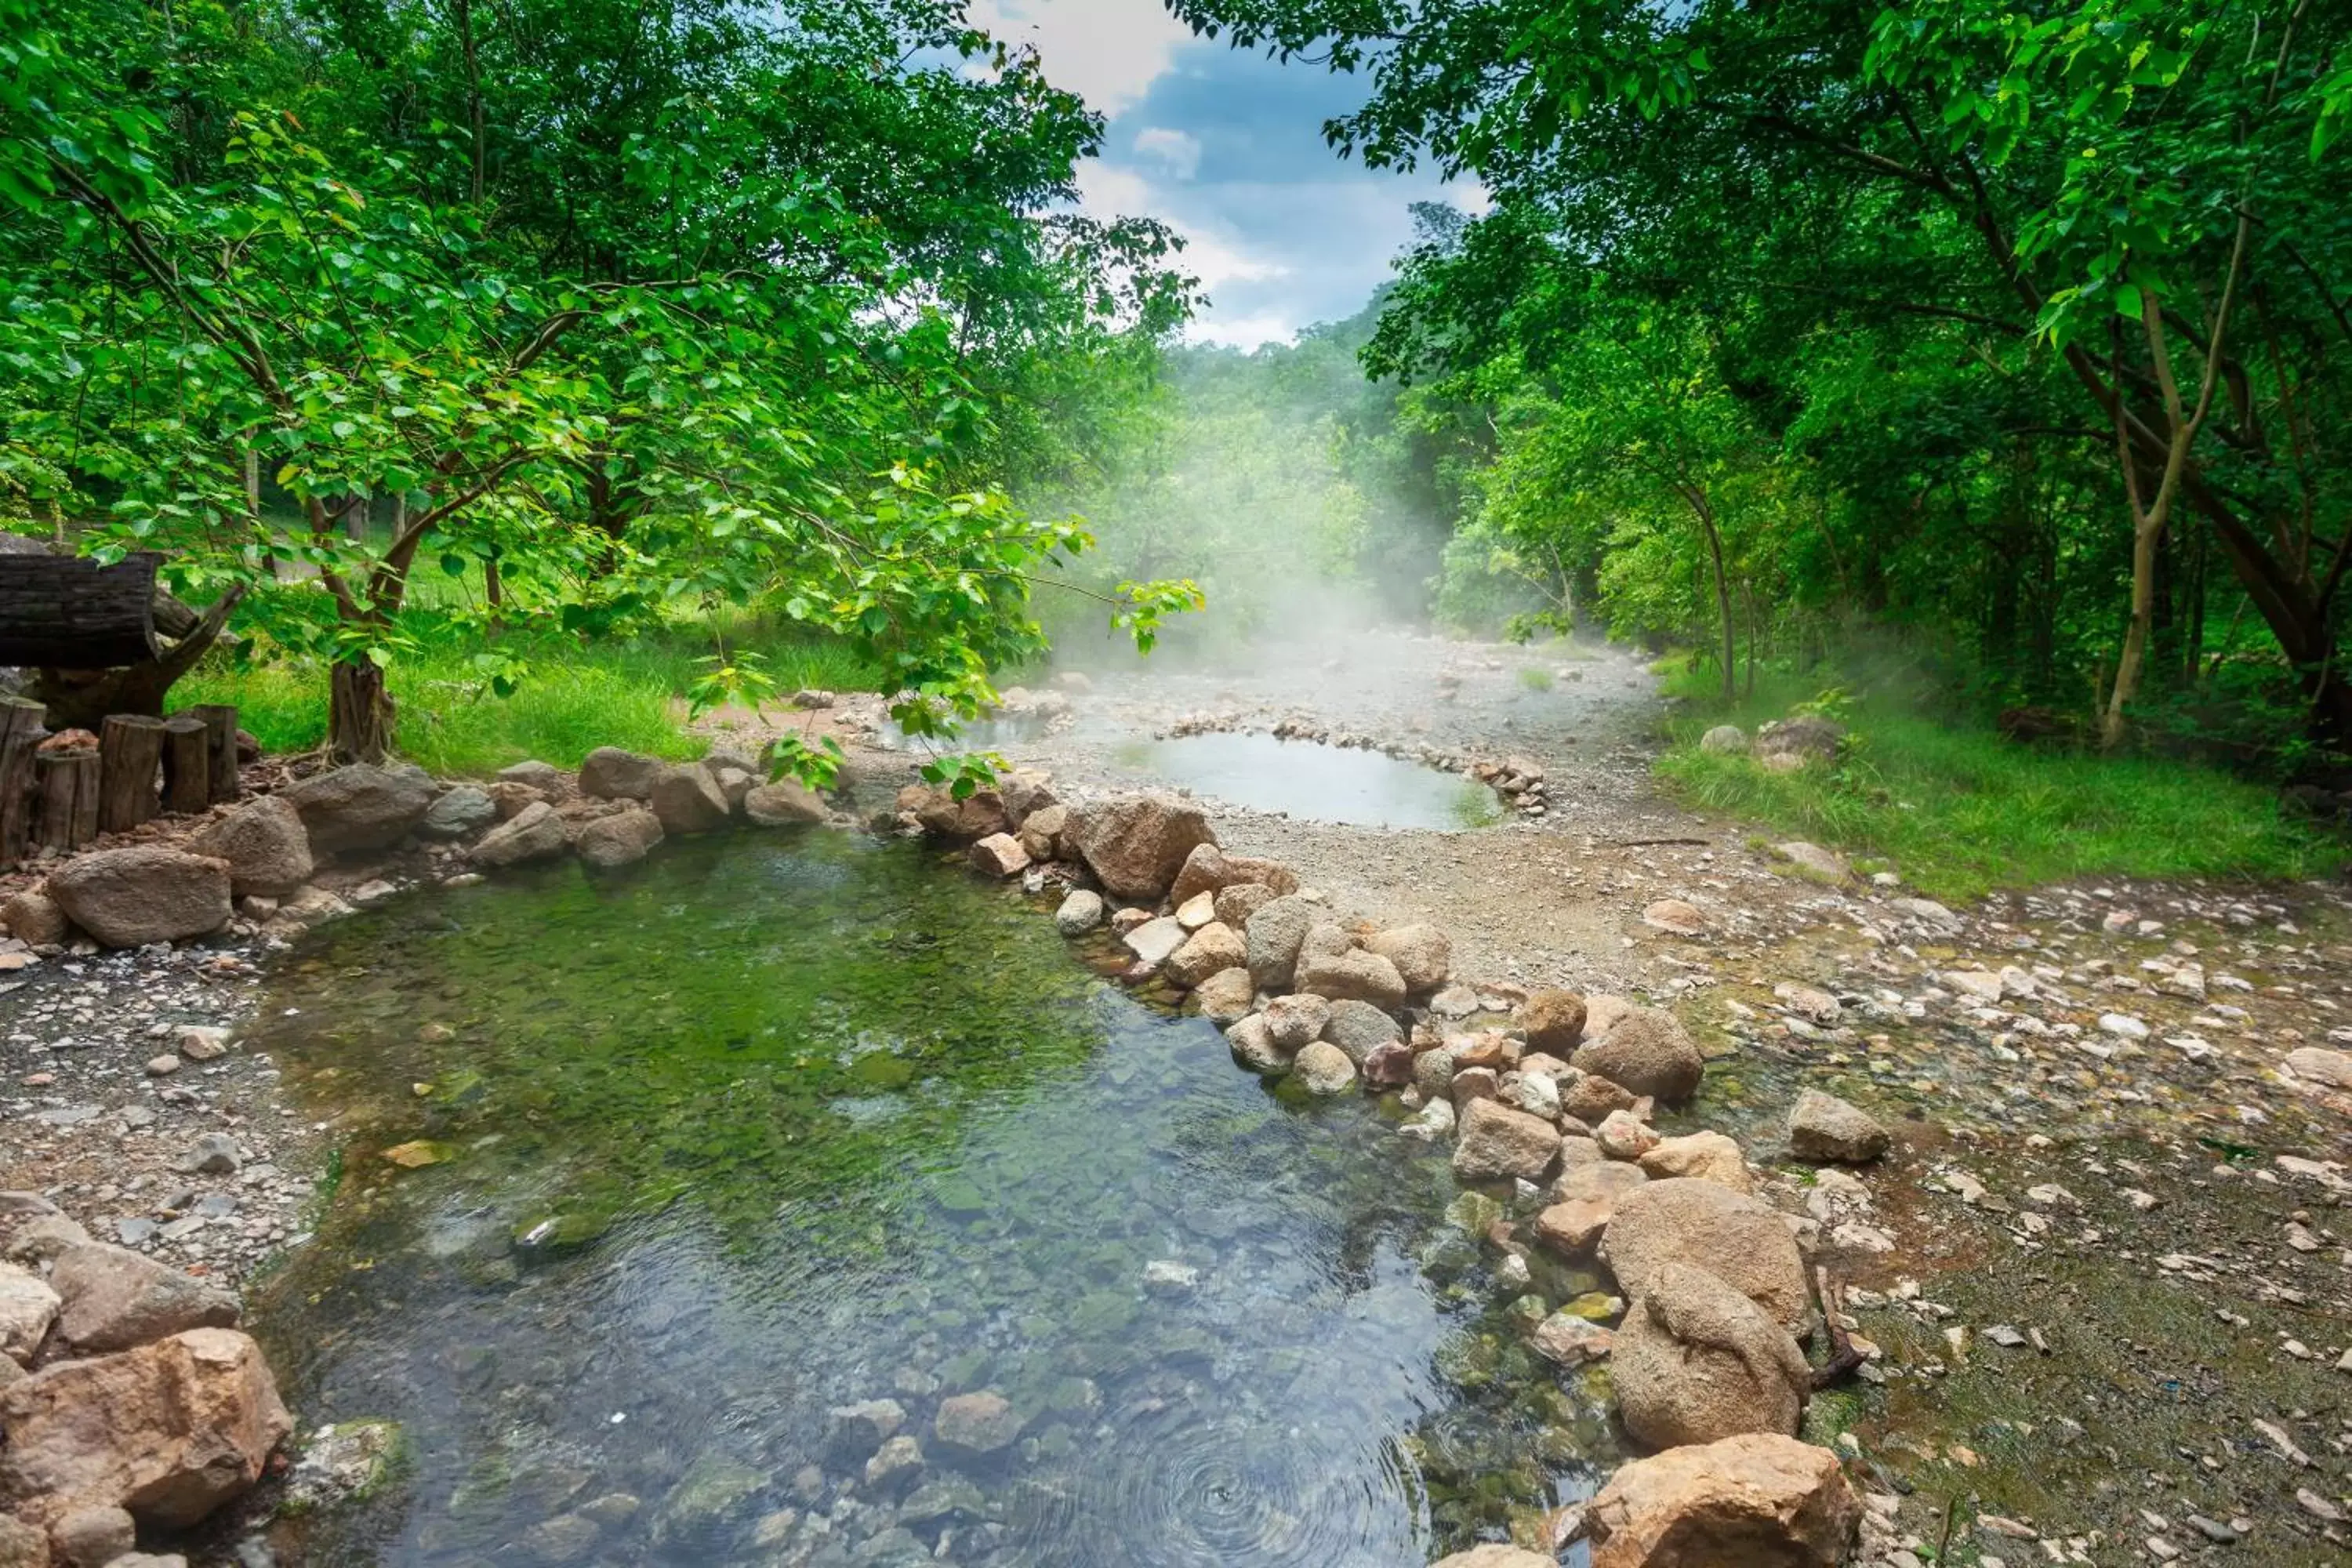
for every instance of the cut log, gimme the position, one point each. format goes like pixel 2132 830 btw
pixel 187 766
pixel 20 735
pixel 67 611
pixel 68 798
pixel 83 698
pixel 130 747
pixel 220 729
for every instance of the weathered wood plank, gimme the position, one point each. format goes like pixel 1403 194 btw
pixel 65 612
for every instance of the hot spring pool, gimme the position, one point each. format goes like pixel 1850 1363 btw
pixel 1314 781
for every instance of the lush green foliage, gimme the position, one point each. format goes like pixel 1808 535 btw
pixel 637 308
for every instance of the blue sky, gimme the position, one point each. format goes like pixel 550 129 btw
pixel 1228 149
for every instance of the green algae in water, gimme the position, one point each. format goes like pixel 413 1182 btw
pixel 791 1123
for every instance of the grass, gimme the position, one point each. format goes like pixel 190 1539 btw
pixel 1535 678
pixel 1959 811
pixel 575 696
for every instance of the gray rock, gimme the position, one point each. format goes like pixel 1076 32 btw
pixel 361 808
pixel 213 1154
pixel 1273 936
pixel 114 1299
pixel 1495 1141
pixel 1079 913
pixel 144 893
pixel 554 782
pixel 1292 1021
pixel 855 1431
pixel 1725 740
pixel 462 811
pixel 1154 942
pixel 1323 1068
pixel 42 1238
pixel 609 772
pixel 786 802
pixel 1696 1362
pixel 688 801
pixel 1354 976
pixel 265 846
pixel 1823 1127
pixel 534 833
pixel 93 1538
pixel 1360 1028
pixel 624 839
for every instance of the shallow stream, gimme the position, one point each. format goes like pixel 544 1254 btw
pixel 643 1178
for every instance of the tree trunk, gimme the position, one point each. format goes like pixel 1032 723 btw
pixel 359 713
pixel 2145 538
pixel 187 766
pixel 131 760
pixel 1722 594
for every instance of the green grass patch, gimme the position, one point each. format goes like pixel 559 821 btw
pixel 1535 678
pixel 1959 811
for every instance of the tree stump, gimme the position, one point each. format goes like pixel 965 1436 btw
pixel 20 735
pixel 131 749
pixel 187 765
pixel 68 797
pixel 220 725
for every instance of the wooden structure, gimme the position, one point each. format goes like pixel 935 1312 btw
pixel 92 635
pixel 58 792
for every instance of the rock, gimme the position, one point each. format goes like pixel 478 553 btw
pixel 1552 1022
pixel 1815 863
pixel 1026 792
pixel 142 893
pixel 1156 941
pixel 93 1537
pixel 1323 1068
pixel 566 1538
pixel 21 1545
pixel 1702 1156
pixel 361 808
pixel 114 1299
pixel 1566 1340
pixel 1725 740
pixel 1433 1072
pixel 1354 976
pixel 1208 869
pixel 1495 1556
pixel 1697 1361
pixel 1624 1136
pixel 169 1431
pixel 212 1155
pixel 545 777
pixel 978 1423
pixel 202 1042
pixel 1045 833
pixel 2312 1064
pixel 689 800
pixel 535 833
pixel 624 839
pixel 458 811
pixel 1592 1099
pixel 1479 1083
pixel 1136 846
pixel 1226 997
pixel 999 855
pixel 1686 1220
pixel 1584 1199
pixel 1760 1498
pixel 787 803
pixel 1649 1052
pixel 1387 1067
pixel 1360 1028
pixel 345 1461
pixel 893 1463
pixel 1976 984
pixel 1213 948
pixel 27 1308
pixel 976 816
pixel 1675 915
pixel 853 1432
pixel 1235 902
pixel 1823 1127
pixel 1810 1003
pixel 509 798
pixel 42 1238
pixel 34 919
pixel 1806 737
pixel 1196 912
pixel 1273 936
pixel 609 772
pixel 265 846
pixel 1079 913
pixel 1253 1047
pixel 1293 1021
pixel 1495 1141
pixel 1423 955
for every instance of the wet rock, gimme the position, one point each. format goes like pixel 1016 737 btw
pixel 1354 976
pixel 705 1508
pixel 1497 1556
pixel 1823 1127
pixel 897 1461
pixel 1235 904
pixel 624 839
pixel 142 893
pixel 1423 955
pixel 1624 1136
pixel 1360 1028
pixel 853 1432
pixel 943 816
pixel 1134 847
pixel 1323 1068
pixel 1211 948
pixel 1388 1066
pixel 1273 936
pixel 535 833
pixel 34 918
pixel 1226 997
pixel 92 1537
pixel 786 802
pixel 265 846
pixel 975 1424
pixel 114 1299
pixel 566 1538
pixel 1566 1340
pixel 1292 1021
pixel 458 811
pixel 1685 1220
pixel 1725 740
pixel 689 800
pixel 169 1431
pixel 1208 869
pixel 1649 1052
pixel 1253 1047
pixel 1697 1361
pixel 1155 941
pixel 1677 916
pixel 1815 863
pixel 1079 913
pixel 999 855
pixel 1494 1140
pixel 1045 832
pixel 1705 1156
pixel 1553 1021
pixel 1756 1499
pixel 27 1308
pixel 609 772
pixel 343 1462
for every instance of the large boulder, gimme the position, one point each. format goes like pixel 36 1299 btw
pixel 1649 1052
pixel 114 1299
pixel 1360 1028
pixel 624 839
pixel 1696 1362
pixel 943 816
pixel 534 833
pixel 783 804
pixel 361 808
pixel 1686 1219
pixel 1760 1499
pixel 1494 1140
pixel 265 846
pixel 1275 935
pixel 609 772
pixel 1351 974
pixel 1424 955
pixel 1552 1022
pixel 459 812
pixel 169 1431
pixel 142 893
pixel 689 800
pixel 1136 846
pixel 1823 1127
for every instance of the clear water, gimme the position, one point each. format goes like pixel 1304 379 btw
pixel 786 1123
pixel 1322 784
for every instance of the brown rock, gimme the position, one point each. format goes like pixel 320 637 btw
pixel 1707 1156
pixel 1226 997
pixel 1211 948
pixel 169 1431
pixel 1590 1098
pixel 786 802
pixel 1584 1200
pixel 1649 1052
pixel 1601 1012
pixel 943 816
pixel 1677 916
pixel 361 808
pixel 265 846
pixel 1823 1127
pixel 1352 975
pixel 1134 847
pixel 1685 1220
pixel 536 833
pixel 34 918
pixel 114 1299
pixel 609 772
pixel 1552 1021
pixel 1696 1362
pixel 1237 902
pixel 21 1545
pixel 1761 1499
pixel 27 1308
pixel 1422 955
pixel 689 800
pixel 1043 830
pixel 142 893
pixel 1296 1019
pixel 1566 1340
pixel 1624 1136
pixel 621 840
pixel 92 1537
pixel 1000 855
pixel 1208 869
pixel 1475 1083
pixel 1494 1140
pixel 1495 1556
pixel 509 797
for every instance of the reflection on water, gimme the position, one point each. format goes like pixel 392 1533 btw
pixel 1308 779
pixel 795 1123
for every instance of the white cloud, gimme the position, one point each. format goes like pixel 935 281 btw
pixel 1107 51
pixel 1253 331
pixel 1177 150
